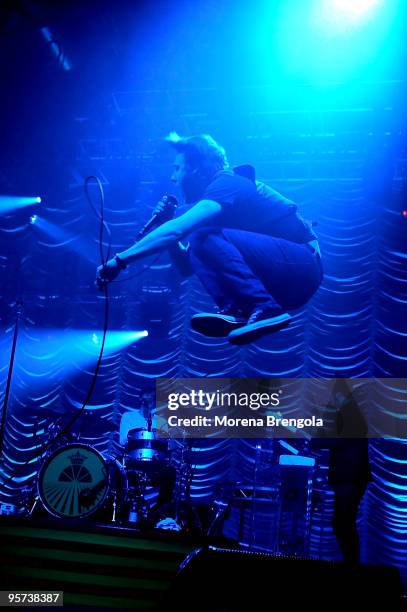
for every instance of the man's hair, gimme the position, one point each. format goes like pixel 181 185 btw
pixel 201 152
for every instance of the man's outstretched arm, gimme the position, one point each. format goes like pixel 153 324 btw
pixel 172 231
pixel 161 238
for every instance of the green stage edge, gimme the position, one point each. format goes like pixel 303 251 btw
pixel 94 569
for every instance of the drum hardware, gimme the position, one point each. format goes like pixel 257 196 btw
pixel 221 506
pixel 28 500
pixel 139 508
pixel 220 511
pixel 185 511
pixel 144 454
pixel 143 446
pixel 133 515
pixel 182 498
pixel 139 512
pixel 34 504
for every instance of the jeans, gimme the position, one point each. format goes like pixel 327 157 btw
pixel 346 504
pixel 244 270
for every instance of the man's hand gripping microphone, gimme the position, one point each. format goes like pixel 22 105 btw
pixel 164 211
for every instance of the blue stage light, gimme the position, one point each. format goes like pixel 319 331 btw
pixel 116 340
pixel 59 238
pixel 71 351
pixel 326 41
pixel 339 16
pixel 33 219
pixel 9 203
pixel 353 7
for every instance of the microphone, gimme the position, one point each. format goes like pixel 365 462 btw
pixel 170 204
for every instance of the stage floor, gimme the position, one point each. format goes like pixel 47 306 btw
pixel 106 566
pixel 93 564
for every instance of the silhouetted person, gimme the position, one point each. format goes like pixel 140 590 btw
pixel 349 471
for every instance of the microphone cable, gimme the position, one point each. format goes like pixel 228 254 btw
pixel 104 258
pixel 103 227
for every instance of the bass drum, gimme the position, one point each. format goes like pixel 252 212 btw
pixel 76 480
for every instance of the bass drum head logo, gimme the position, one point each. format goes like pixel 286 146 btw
pixel 73 482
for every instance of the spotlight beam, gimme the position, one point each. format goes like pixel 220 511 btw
pixel 9 203
pixel 69 351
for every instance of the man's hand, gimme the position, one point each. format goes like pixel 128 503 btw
pixel 165 210
pixel 105 274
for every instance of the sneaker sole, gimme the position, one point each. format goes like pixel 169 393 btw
pixel 214 325
pixel 250 333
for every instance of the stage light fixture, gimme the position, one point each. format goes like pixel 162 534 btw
pixel 33 219
pixel 56 48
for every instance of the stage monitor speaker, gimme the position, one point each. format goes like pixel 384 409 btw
pixel 230 580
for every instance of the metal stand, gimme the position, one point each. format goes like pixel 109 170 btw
pixel 19 310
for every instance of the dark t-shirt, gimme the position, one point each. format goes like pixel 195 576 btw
pixel 349 462
pixel 349 451
pixel 255 207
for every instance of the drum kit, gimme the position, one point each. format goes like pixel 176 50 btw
pixel 77 481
